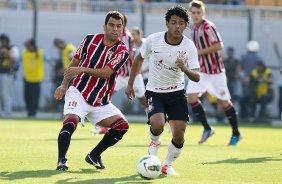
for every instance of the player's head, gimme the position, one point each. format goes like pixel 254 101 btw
pixel 4 40
pixel 197 9
pixel 113 27
pixel 59 43
pixel 30 44
pixel 177 19
pixel 137 33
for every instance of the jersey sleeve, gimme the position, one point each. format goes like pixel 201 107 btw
pixel 193 61
pixel 120 58
pixel 146 49
pixel 212 34
pixel 80 51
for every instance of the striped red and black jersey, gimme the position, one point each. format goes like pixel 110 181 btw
pixel 128 39
pixel 93 53
pixel 204 36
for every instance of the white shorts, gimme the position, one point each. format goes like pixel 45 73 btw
pixel 139 86
pixel 76 104
pixel 215 84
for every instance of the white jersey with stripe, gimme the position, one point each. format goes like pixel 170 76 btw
pixel 164 74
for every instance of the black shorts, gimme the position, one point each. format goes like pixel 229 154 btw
pixel 172 104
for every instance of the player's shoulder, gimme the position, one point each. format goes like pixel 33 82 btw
pixel 156 35
pixel 208 24
pixel 187 41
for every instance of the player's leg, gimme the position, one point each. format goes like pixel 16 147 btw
pixel 220 90
pixel 178 116
pixel 156 116
pixel 107 116
pixel 231 115
pixel 64 138
pixel 193 90
pixel 121 82
pixel 75 110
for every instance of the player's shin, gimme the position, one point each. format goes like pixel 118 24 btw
pixel 155 143
pixel 64 137
pixel 118 129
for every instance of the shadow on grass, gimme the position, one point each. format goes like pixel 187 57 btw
pixel 245 161
pixel 20 175
pixel 126 180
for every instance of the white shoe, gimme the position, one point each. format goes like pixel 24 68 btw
pixel 99 130
pixel 167 169
pixel 153 148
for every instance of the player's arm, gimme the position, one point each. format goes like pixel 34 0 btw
pixel 99 73
pixel 61 90
pixel 136 66
pixel 191 74
pixel 213 48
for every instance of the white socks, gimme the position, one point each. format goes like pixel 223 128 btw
pixel 172 154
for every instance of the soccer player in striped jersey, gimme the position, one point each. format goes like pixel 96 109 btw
pixel 94 68
pixel 170 55
pixel 213 78
pixel 123 75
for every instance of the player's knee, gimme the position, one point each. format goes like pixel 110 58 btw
pixel 120 124
pixel 178 139
pixel 157 129
pixel 192 98
pixel 69 126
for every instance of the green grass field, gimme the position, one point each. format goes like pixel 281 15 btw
pixel 28 152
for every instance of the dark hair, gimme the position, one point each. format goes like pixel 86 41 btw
pixel 115 15
pixel 58 41
pixel 4 37
pixel 179 11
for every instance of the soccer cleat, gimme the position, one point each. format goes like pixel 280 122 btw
pixel 99 130
pixel 206 135
pixel 153 148
pixel 234 140
pixel 95 161
pixel 63 165
pixel 167 169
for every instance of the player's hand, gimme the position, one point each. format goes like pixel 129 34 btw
pixel 129 91
pixel 72 71
pixel 281 71
pixel 181 64
pixel 60 92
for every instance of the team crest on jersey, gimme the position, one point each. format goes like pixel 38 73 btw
pixel 116 59
pixel 182 56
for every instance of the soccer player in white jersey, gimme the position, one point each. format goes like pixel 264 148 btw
pixel 171 55
pixel 213 78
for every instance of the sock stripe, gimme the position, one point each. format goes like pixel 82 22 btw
pixel 65 131
pixel 71 120
pixel 120 124
pixel 198 102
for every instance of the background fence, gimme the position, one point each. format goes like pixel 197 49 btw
pixel 72 19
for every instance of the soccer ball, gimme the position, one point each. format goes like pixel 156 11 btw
pixel 148 167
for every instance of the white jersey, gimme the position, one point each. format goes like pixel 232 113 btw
pixel 164 74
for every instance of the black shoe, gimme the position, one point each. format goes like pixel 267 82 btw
pixel 95 161
pixel 63 165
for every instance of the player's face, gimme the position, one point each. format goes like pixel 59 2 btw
pixel 135 35
pixel 113 29
pixel 197 15
pixel 176 26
